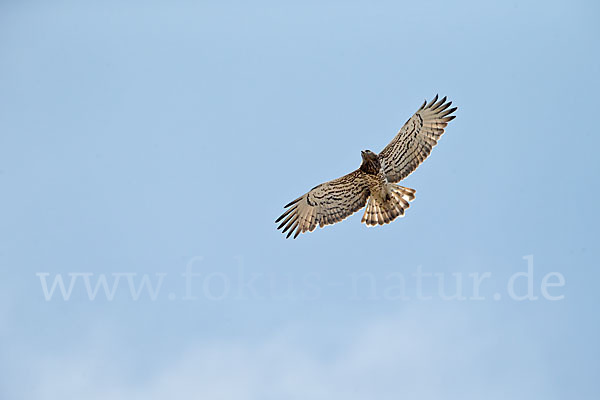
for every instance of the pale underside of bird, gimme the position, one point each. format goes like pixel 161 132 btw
pixel 374 182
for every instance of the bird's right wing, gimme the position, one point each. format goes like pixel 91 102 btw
pixel 326 204
pixel 414 142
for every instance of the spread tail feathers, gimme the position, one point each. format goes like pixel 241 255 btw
pixel 379 212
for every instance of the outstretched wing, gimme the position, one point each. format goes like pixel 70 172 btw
pixel 326 204
pixel 414 141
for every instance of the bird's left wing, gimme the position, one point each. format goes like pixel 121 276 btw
pixel 326 204
pixel 414 141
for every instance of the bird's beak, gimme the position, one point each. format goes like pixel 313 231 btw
pixel 362 153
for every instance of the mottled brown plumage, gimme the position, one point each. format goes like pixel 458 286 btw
pixel 373 183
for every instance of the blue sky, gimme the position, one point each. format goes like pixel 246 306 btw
pixel 157 137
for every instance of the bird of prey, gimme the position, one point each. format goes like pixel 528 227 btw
pixel 374 182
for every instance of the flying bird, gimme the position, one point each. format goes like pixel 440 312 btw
pixel 374 182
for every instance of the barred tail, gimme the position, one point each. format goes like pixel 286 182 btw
pixel 379 212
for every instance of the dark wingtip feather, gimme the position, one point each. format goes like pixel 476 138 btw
pixel 288 226
pixel 291 210
pixel 444 106
pixel 433 101
pixel 292 202
pixel 450 111
pixel 439 103
pixel 285 221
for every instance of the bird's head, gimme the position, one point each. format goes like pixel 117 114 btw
pixel 370 162
pixel 368 155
